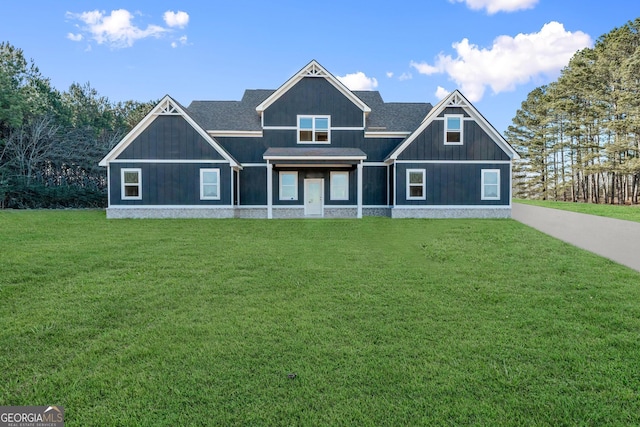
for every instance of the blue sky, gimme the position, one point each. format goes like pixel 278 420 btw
pixel 494 51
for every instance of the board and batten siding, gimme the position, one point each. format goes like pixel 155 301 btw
pixel 253 186
pixel 313 96
pixel 453 183
pixel 170 137
pixel 170 183
pixel 477 145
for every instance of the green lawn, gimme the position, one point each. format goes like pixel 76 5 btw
pixel 384 322
pixel 629 213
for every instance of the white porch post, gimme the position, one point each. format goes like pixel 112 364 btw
pixel 269 190
pixel 359 214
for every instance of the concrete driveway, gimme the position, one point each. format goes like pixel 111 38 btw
pixel 611 238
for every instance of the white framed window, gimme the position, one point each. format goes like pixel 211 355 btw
pixel 339 182
pixel 288 187
pixel 209 184
pixel 314 129
pixel 490 183
pixel 131 179
pixel 453 129
pixel 416 184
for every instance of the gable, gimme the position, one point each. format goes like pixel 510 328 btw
pixel 478 128
pixel 168 132
pixel 313 96
pixel 169 137
pixel 313 70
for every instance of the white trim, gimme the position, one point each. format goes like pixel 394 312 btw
pixel 269 190
pixel 409 184
pixel 280 128
pixel 359 211
pixel 483 162
pixel 300 158
pixel 108 187
pixel 166 106
pixel 461 130
pixel 344 128
pixel 313 165
pixel 295 184
pixel 235 133
pixel 374 134
pixel 313 128
pixel 456 99
pixel 483 196
pixel 166 161
pixel 331 184
pixel 254 165
pixel 365 164
pixel 123 184
pixel 216 171
pixel 312 69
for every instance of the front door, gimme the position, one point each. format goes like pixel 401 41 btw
pixel 313 192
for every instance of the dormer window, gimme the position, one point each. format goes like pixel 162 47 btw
pixel 453 129
pixel 313 129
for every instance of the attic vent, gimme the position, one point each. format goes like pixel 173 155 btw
pixel 315 71
pixel 167 107
pixel 457 101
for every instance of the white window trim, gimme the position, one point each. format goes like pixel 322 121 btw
pixel 202 184
pixel 313 129
pixel 331 175
pixel 424 184
pixel 280 175
pixel 446 123
pixel 122 184
pixel 482 184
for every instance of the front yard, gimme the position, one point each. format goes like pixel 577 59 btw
pixel 313 322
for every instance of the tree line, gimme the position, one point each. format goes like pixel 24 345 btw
pixel 579 136
pixel 51 141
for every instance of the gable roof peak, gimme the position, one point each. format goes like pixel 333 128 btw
pixel 313 69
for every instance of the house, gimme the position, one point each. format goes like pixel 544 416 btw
pixel 311 148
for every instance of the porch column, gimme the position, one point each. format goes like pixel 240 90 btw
pixel 359 214
pixel 269 190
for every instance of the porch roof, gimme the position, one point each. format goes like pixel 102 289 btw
pixel 303 154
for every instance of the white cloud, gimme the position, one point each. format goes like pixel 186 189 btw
pixel 441 92
pixel 495 6
pixel 389 74
pixel 181 41
pixel 359 81
pixel 117 29
pixel 405 76
pixel 178 19
pixel 75 37
pixel 509 62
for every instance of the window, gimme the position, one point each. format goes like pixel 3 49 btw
pixel 416 184
pixel 209 184
pixel 131 184
pixel 490 184
pixel 288 186
pixel 339 185
pixel 453 129
pixel 313 129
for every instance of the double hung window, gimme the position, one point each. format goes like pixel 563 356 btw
pixel 288 187
pixel 131 184
pixel 490 184
pixel 210 184
pixel 453 129
pixel 416 183
pixel 314 129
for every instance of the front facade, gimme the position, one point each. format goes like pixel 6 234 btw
pixel 311 149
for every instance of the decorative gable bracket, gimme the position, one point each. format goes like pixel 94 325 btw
pixel 166 107
pixel 457 100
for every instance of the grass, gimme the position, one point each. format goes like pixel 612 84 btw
pixel 383 322
pixel 629 213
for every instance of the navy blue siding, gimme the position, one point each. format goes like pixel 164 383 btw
pixel 170 137
pixel 253 186
pixel 374 185
pixel 453 183
pixel 454 110
pixel 477 145
pixel 170 184
pixel 313 96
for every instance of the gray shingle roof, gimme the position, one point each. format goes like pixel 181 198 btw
pixel 241 115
